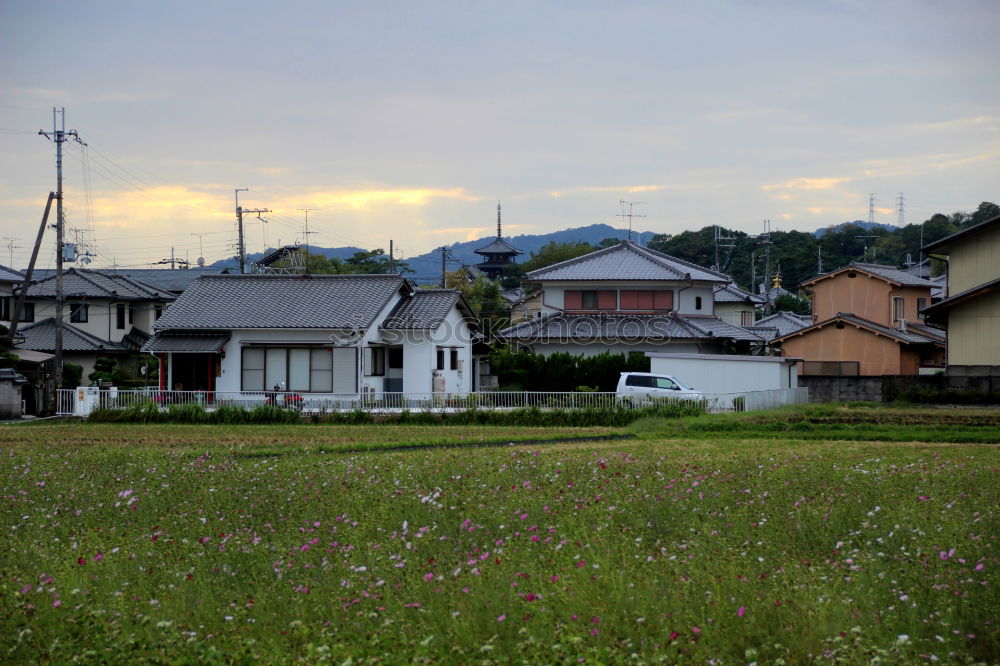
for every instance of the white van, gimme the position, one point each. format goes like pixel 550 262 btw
pixel 639 387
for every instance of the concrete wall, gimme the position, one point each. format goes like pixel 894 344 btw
pixel 842 389
pixel 726 373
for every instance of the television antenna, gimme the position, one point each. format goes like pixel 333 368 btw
pixel 629 215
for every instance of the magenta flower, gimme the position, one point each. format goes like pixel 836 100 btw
pixel 501 618
pixel 740 611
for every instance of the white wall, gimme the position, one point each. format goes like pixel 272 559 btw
pixel 726 373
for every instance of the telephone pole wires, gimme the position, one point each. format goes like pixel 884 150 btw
pixel 59 136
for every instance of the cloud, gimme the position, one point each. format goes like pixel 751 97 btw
pixel 807 184
pixel 360 199
pixel 631 189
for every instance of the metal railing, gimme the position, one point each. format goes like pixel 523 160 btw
pixel 82 401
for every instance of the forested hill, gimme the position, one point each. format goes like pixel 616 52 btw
pixel 796 254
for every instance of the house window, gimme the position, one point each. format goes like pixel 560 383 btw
pixel 79 312
pixel 5 308
pixel 131 313
pixel 654 299
pixel 377 366
pixel 589 299
pixel 157 311
pixel 27 313
pixel 454 359
pixel 746 318
pixel 120 316
pixel 898 312
pixel 301 369
pixel 395 358
pixel 697 302
pixel 921 304
pixel 440 359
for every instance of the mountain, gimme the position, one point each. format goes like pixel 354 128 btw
pixel 428 266
pixel 868 226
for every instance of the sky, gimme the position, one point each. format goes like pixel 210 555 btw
pixel 409 121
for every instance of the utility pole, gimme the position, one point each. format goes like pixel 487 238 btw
pixel 10 246
pixel 59 136
pixel 444 260
pixel 722 241
pixel 766 242
pixel 901 217
pixel 242 248
pixel 392 258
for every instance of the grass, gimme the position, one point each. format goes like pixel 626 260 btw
pixel 206 543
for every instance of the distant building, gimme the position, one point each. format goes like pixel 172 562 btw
pixel 497 255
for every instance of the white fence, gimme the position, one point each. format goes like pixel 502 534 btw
pixel 82 401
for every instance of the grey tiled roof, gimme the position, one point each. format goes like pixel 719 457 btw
pixel 912 335
pixel 888 273
pixel 498 246
pixel 190 343
pixel 626 327
pixel 226 302
pixel 79 283
pixel 730 293
pixel 41 336
pixel 10 275
pixel 781 323
pixel 174 280
pixel 626 261
pixel 425 310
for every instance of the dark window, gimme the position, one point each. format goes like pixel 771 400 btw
pixel 27 313
pixel 921 304
pixel 79 312
pixel 898 312
pixel 378 362
pixel 131 313
pixel 638 380
pixel 120 316
pixel 454 359
pixel 697 302
pixel 588 300
pixel 395 358
pixel 440 359
pixel 157 311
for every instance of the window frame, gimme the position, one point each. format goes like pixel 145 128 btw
pixel 79 312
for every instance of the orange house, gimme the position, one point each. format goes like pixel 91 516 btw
pixel 867 320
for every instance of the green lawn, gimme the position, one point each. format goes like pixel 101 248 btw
pixel 761 542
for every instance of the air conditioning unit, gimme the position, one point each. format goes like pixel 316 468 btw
pixel 461 365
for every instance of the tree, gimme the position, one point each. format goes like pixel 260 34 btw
pixel 793 304
pixel 555 252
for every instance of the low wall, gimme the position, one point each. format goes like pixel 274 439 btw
pixel 825 388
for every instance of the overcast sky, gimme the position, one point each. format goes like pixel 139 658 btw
pixel 410 120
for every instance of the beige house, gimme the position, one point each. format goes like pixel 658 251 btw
pixel 971 307
pixel 736 306
pixel 866 320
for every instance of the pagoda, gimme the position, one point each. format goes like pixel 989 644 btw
pixel 497 255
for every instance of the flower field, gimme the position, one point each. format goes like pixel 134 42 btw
pixel 201 543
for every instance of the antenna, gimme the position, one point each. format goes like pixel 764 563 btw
pixel 307 232
pixel 765 240
pixel 901 217
pixel 871 209
pixel 10 246
pixel 629 215
pixel 201 247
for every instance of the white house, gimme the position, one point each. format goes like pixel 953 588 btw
pixel 315 333
pixel 627 298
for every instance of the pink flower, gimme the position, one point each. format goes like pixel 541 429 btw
pixel 673 635
pixel 25 590
pixel 99 556
pixel 501 618
pixel 428 576
pixel 947 555
pixel 695 630
pixel 923 498
pixel 740 611
pixel 57 603
pixel 980 566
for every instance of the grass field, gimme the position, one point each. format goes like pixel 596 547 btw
pixel 846 534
